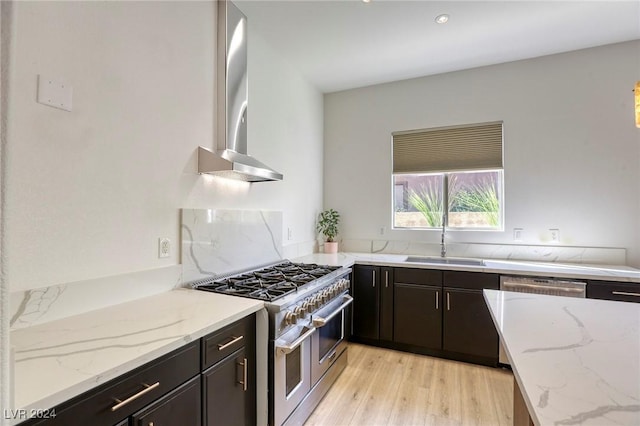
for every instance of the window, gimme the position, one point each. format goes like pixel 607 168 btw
pixel 457 167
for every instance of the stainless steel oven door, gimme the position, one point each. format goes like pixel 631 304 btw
pixel 328 342
pixel 291 371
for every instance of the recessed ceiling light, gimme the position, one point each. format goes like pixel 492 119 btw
pixel 366 1
pixel 442 19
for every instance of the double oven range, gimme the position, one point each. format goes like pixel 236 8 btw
pixel 307 306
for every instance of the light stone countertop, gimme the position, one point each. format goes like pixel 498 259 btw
pixel 541 269
pixel 61 359
pixel 576 361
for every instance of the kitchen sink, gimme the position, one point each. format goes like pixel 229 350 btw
pixel 445 261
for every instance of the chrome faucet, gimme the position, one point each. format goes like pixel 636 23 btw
pixel 443 246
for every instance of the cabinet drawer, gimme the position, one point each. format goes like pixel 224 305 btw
pixel 135 389
pixel 471 280
pixel 218 345
pixel 418 276
pixel 611 290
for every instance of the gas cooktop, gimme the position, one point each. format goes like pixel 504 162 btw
pixel 268 284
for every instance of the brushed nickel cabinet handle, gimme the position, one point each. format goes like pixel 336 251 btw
pixel 222 347
pixel 437 297
pixel 244 366
pixel 625 293
pixel 386 279
pixel 448 302
pixel 147 389
pixel 373 281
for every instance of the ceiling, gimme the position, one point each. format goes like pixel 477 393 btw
pixel 344 44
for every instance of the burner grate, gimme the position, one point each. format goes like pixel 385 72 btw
pixel 268 283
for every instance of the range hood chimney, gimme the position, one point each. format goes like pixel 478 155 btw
pixel 231 159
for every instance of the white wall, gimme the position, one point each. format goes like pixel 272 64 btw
pixel 90 191
pixel 571 148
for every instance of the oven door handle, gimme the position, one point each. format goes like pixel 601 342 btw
pixel 321 322
pixel 290 347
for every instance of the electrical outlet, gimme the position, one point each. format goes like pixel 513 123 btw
pixel 164 247
pixel 555 235
pixel 382 230
pixel 289 234
pixel 517 234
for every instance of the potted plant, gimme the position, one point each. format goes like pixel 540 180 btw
pixel 328 226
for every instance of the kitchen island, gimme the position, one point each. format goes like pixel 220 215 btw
pixel 575 361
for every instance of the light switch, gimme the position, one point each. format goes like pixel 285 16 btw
pixel 55 93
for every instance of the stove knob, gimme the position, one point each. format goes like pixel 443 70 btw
pixel 317 301
pixel 290 318
pixel 326 295
pixel 298 312
pixel 306 305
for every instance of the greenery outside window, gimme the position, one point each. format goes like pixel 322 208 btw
pixel 452 174
pixel 473 200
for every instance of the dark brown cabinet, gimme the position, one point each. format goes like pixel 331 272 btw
pixel 418 307
pixel 179 407
pixel 229 375
pixel 440 313
pixel 372 289
pixel 227 385
pixel 418 316
pixel 612 290
pixel 467 325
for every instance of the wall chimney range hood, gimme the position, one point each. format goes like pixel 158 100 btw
pixel 231 159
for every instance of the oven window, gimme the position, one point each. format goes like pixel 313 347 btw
pixel 330 335
pixel 293 369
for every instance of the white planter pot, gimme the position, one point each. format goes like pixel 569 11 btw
pixel 331 247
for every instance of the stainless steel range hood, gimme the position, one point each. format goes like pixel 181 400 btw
pixel 231 159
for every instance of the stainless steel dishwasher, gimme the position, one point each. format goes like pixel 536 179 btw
pixel 548 286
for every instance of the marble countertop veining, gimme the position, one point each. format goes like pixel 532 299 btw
pixel 546 269
pixel 576 361
pixel 61 359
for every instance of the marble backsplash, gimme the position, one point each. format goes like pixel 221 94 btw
pixel 219 242
pixel 540 253
pixel 214 242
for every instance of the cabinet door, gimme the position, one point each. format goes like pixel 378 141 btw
pixel 386 304
pixel 179 407
pixel 418 315
pixel 366 301
pixel 226 392
pixel 468 327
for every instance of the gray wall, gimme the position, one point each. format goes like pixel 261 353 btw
pixel 572 151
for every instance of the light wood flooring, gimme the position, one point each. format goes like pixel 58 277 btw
pixel 386 387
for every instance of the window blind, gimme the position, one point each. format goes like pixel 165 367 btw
pixel 468 147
